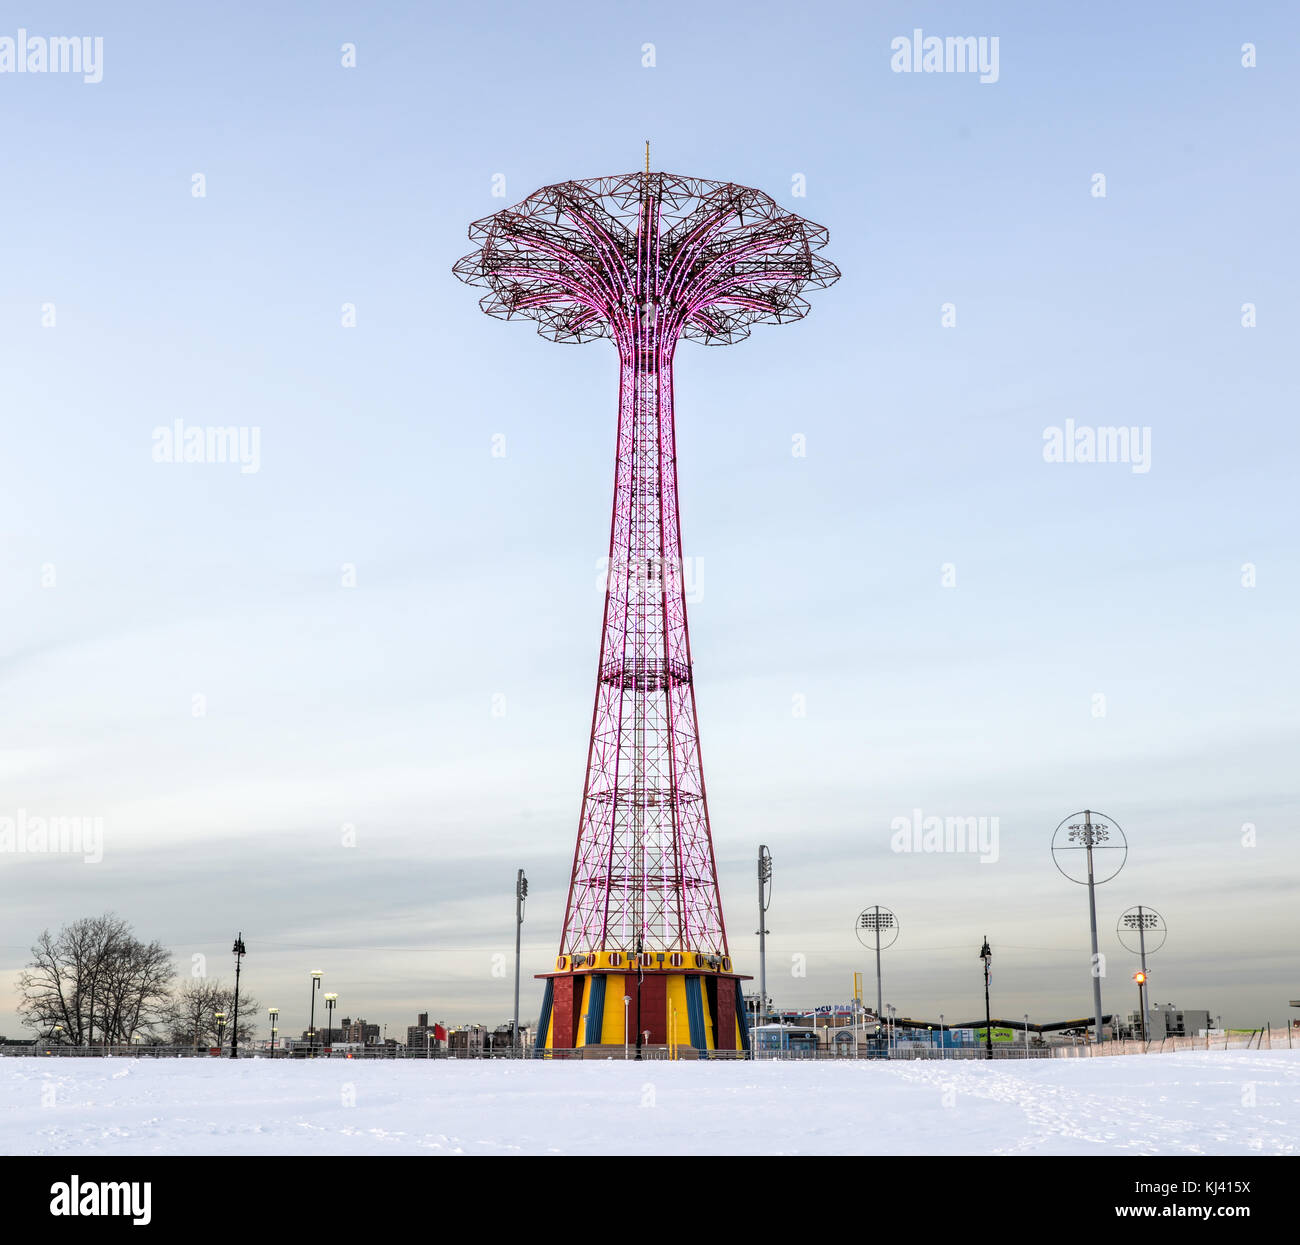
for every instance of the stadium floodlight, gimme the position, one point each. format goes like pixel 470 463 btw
pixel 1087 833
pixel 764 899
pixel 1146 923
pixel 876 922
pixel 521 894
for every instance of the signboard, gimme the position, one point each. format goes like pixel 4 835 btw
pixel 999 1035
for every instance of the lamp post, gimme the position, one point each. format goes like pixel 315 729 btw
pixel 521 893
pixel 764 899
pixel 627 1006
pixel 330 1000
pixel 640 977
pixel 221 1029
pixel 1141 979
pixel 311 1024
pixel 274 1013
pixel 942 1047
pixel 987 956
pixel 239 951
pixel 1026 1033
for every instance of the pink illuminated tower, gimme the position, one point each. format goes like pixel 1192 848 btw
pixel 645 259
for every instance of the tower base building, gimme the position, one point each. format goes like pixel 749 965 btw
pixel 603 1000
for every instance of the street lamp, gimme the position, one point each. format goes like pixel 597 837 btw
pixel 1141 979
pixel 627 1004
pixel 942 1055
pixel 640 978
pixel 987 956
pixel 311 1024
pixel 274 1013
pixel 330 1000
pixel 238 951
pixel 221 1029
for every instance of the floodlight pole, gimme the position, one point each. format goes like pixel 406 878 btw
pixel 1092 917
pixel 521 893
pixel 1142 939
pixel 1142 944
pixel 764 898
pixel 879 994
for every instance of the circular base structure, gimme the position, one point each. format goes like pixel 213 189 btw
pixel 597 1003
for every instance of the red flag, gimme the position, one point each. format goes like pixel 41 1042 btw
pixel 439 1033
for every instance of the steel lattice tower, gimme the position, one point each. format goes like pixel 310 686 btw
pixel 645 259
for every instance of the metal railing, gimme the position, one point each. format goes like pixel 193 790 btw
pixel 1256 1039
pixel 141 1051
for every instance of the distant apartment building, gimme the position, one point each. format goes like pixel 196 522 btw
pixel 359 1032
pixel 425 1036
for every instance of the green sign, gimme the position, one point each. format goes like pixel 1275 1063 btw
pixel 999 1035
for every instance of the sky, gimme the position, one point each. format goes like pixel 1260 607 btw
pixel 336 701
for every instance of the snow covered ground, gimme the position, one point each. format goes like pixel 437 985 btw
pixel 1229 1102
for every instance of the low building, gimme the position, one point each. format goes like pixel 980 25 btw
pixel 470 1040
pixel 1164 1020
pixel 323 1036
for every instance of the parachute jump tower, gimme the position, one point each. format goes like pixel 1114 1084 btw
pixel 645 259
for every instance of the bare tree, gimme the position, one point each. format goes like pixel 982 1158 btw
pixel 192 1018
pixel 193 1009
pixel 95 980
pixel 134 990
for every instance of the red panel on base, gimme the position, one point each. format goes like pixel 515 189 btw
pixel 568 993
pixel 654 1009
pixel 726 1013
